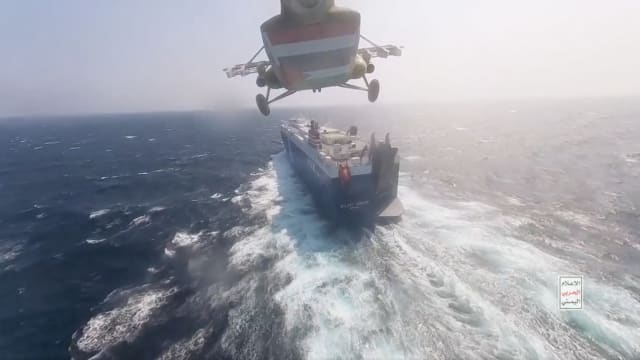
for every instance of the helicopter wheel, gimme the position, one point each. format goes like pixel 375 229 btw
pixel 374 90
pixel 263 104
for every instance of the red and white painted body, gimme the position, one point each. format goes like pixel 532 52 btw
pixel 311 45
pixel 312 48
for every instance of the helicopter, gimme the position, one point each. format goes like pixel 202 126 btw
pixel 311 45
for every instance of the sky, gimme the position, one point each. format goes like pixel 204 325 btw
pixel 101 56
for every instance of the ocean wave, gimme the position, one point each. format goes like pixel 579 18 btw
pixel 123 323
pixel 183 239
pixel 185 349
pixel 454 278
pixel 140 220
pixel 9 252
pixel 98 213
pixel 95 241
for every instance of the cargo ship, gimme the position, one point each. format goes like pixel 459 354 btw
pixel 352 181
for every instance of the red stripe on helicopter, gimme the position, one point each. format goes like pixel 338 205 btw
pixel 312 32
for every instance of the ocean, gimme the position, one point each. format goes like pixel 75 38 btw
pixel 189 236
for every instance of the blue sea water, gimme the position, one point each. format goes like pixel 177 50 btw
pixel 187 236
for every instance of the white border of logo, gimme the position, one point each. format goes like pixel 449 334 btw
pixel 571 292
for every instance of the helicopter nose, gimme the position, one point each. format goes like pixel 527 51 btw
pixel 306 11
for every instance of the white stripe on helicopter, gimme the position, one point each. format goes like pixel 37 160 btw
pixel 331 72
pixel 314 46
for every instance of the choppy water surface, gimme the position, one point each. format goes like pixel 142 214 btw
pixel 184 236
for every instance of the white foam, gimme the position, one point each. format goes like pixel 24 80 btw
pixel 185 349
pixel 452 280
pixel 216 196
pixel 157 209
pixel 130 137
pixel 514 201
pixel 94 241
pixel 575 217
pixel 98 213
pixel 165 170
pixel 140 220
pixel 501 273
pixel 183 239
pixel 9 252
pixel 122 324
pixel 237 199
pixel 341 301
pixel 117 176
pixel 329 297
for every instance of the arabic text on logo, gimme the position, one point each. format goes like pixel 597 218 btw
pixel 570 292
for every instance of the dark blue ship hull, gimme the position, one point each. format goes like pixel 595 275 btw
pixel 356 202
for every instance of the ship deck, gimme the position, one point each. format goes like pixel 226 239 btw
pixel 335 146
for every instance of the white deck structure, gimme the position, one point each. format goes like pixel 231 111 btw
pixel 334 148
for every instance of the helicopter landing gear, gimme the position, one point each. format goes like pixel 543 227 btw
pixel 372 89
pixel 263 102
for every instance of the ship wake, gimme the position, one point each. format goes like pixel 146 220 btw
pixel 451 280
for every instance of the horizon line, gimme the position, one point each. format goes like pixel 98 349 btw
pixel 529 99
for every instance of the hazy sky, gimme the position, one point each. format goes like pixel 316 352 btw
pixel 74 56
